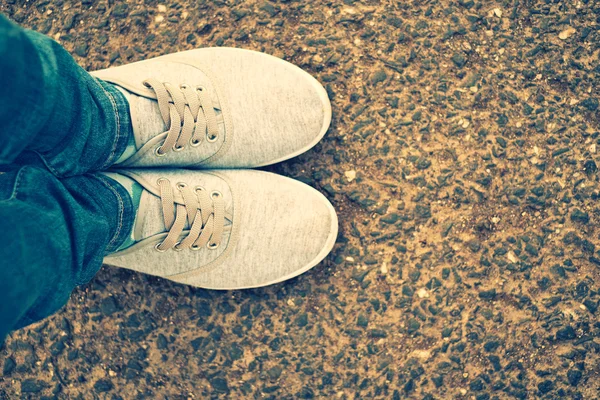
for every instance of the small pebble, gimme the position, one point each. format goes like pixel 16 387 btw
pixel 567 33
pixel 350 175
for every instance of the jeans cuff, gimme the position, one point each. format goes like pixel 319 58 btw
pixel 124 127
pixel 125 214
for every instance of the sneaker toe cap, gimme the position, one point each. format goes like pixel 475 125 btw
pixel 287 230
pixel 277 110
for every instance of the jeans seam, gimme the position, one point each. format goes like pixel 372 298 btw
pixel 15 190
pixel 121 211
pixel 54 171
pixel 109 159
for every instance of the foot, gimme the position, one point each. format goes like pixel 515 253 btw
pixel 219 108
pixel 224 229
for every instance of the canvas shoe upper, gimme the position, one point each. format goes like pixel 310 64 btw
pixel 226 229
pixel 219 108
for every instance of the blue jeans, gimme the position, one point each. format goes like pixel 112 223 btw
pixel 58 218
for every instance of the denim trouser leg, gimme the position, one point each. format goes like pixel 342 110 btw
pixel 57 220
pixel 54 235
pixel 52 112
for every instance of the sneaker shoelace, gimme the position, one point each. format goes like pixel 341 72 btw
pixel 203 212
pixel 187 111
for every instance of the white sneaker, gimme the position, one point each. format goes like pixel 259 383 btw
pixel 225 229
pixel 219 108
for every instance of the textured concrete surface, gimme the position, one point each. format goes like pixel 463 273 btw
pixel 461 160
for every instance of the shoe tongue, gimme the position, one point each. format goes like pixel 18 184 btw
pixel 149 221
pixel 146 119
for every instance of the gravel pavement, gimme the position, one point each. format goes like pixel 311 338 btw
pixel 461 160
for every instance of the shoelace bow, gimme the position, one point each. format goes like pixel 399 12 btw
pixel 187 111
pixel 204 212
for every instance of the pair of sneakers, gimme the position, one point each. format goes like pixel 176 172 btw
pixel 200 118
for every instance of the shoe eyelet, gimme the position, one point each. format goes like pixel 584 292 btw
pixel 199 189
pixel 176 247
pixel 159 180
pixel 212 246
pixel 178 148
pixel 145 83
pixel 194 247
pixel 200 88
pixel 157 152
pixel 216 194
pixel 183 86
pixel 212 139
pixel 195 143
pixel 181 185
pixel 157 249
